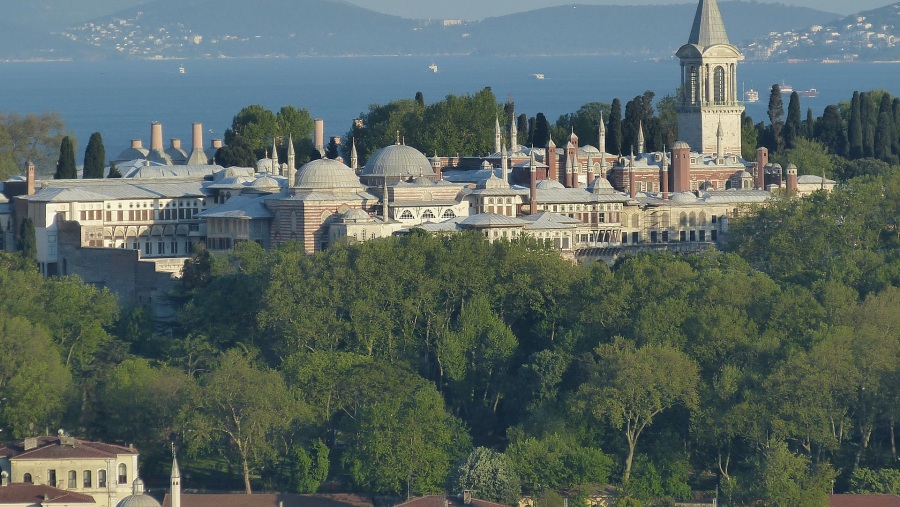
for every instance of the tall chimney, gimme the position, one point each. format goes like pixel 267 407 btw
pixel 552 161
pixel 681 167
pixel 664 175
pixel 176 143
pixel 198 156
pixel 29 178
pixel 590 171
pixel 137 144
pixel 320 134
pixel 762 160
pixel 156 138
pixel 217 143
pixel 533 197
pixel 792 186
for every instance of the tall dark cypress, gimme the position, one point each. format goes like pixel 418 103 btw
pixel 522 127
pixel 614 128
pixel 28 240
pixel 634 111
pixel 776 121
pixel 885 130
pixel 854 129
pixel 830 131
pixel 113 171
pixel 94 157
pixel 65 165
pixel 868 117
pixel 792 127
pixel 541 130
pixel 810 124
pixel 895 110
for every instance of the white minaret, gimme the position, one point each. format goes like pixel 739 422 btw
pixel 513 134
pixel 175 481
pixel 291 161
pixel 354 157
pixel 274 167
pixel 498 138
pixel 640 137
pixel 504 163
pixel 602 147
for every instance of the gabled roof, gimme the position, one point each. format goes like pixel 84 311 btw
pixel 64 448
pixel 446 501
pixel 864 501
pixel 40 494
pixel 267 500
pixel 492 220
pixel 708 29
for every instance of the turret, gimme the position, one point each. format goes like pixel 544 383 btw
pixel 590 171
pixel 498 138
pixel 29 179
pixel 762 160
pixel 354 157
pixel 533 193
pixel 640 137
pixel 664 175
pixel 791 180
pixel 632 188
pixel 504 163
pixel 175 483
pixel 291 159
pixel 552 161
pixel 513 133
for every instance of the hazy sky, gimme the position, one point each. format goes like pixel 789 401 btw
pixel 477 9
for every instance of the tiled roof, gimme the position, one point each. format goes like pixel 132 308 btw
pixel 442 501
pixel 99 190
pixel 864 501
pixel 39 494
pixel 51 448
pixel 268 500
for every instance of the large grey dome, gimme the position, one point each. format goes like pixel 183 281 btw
pixel 138 498
pixel 398 161
pixel 326 174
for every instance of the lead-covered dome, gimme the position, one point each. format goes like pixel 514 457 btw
pixel 398 161
pixel 326 174
pixel 138 498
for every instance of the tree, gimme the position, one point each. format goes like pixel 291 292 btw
pixel 830 132
pixel 855 129
pixel 31 138
pixel 614 140
pixel 868 117
pixel 248 406
pixel 633 386
pixel 783 479
pixel 523 128
pixel 749 137
pixel 94 158
pixel 885 481
pixel 793 128
pixel 810 157
pixel 585 121
pixel 197 270
pixel 236 153
pixel 541 130
pixel 420 99
pixel 28 240
pixel 65 166
pixel 489 474
pixel 633 122
pixel 776 123
pixel 810 124
pixel 885 131
pixel 113 171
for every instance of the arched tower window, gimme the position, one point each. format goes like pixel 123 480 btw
pixel 26 478
pixel 694 85
pixel 123 474
pixel 719 85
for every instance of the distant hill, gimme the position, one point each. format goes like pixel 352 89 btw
pixel 290 28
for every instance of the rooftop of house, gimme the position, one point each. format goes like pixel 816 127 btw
pixel 267 500
pixel 39 494
pixel 62 447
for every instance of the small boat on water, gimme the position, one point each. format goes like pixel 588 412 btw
pixel 181 69
pixel 433 67
pixel 538 76
pixel 751 95
pixel 786 88
pixel 811 93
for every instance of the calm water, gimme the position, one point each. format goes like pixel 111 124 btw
pixel 120 99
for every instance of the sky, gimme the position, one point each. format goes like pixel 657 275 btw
pixel 478 9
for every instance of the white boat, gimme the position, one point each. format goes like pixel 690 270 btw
pixel 786 88
pixel 181 69
pixel 751 95
pixel 539 76
pixel 433 67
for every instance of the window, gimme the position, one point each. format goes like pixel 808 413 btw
pixel 147 248
pixel 635 237
pixel 51 478
pixel 27 479
pixel 714 234
pixel 682 236
pixel 449 214
pixel 101 478
pixel 73 479
pixel 665 236
pixel 173 246
pixel 719 85
pixel 160 247
pixel 123 474
pixel 406 215
pixel 428 215
pixel 86 475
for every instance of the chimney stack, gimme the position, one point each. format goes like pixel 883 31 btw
pixel 176 143
pixel 762 160
pixel 533 197
pixel 681 167
pixel 320 134
pixel 792 186
pixel 664 176
pixel 29 179
pixel 137 144
pixel 156 138
pixel 198 156
pixel 552 161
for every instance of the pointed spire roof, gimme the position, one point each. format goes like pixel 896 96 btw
pixel 176 473
pixel 708 29
pixel 291 145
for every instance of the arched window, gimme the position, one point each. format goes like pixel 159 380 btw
pixel 101 478
pixel 694 85
pixel 682 220
pixel 719 85
pixel 428 215
pixel 693 219
pixel 123 473
pixel 635 221
pixel 406 215
pixel 86 476
pixel 448 214
pixel 26 478
pixel 73 479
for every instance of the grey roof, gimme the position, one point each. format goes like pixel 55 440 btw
pixel 326 174
pixel 140 169
pixel 398 160
pixel 445 226
pixel 576 195
pixel 306 195
pixel 118 188
pixel 65 195
pixel 722 197
pixel 547 220
pixel 708 29
pixel 813 179
pixel 239 207
pixel 422 204
pixel 492 220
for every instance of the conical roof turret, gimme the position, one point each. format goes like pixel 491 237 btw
pixel 708 29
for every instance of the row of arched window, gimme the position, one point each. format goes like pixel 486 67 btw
pixel 427 215
pixel 87 478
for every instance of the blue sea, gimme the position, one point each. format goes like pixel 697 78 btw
pixel 121 98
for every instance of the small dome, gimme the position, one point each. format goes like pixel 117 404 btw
pixel 486 165
pixel 266 165
pixel 549 184
pixel 264 182
pixel 681 145
pixel 776 167
pixel 398 161
pixel 684 198
pixel 138 498
pixel 601 186
pixel 326 174
pixel 747 176
pixel 791 166
pixel 356 215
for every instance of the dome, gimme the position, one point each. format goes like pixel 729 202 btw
pixel 398 161
pixel 326 174
pixel 356 215
pixel 264 182
pixel 791 167
pixel 137 498
pixel 486 165
pixel 549 184
pixel 681 145
pixel 684 198
pixel 601 186
pixel 745 175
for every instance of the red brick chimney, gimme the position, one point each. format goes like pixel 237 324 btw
pixel 792 180
pixel 156 139
pixel 533 197
pixel 664 176
pixel 29 179
pixel 681 167
pixel 762 160
pixel 552 161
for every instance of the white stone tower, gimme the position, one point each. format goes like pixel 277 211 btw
pixel 175 482
pixel 709 85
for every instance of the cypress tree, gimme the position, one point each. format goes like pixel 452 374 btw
pixel 854 129
pixel 614 128
pixel 65 166
pixel 113 171
pixel 810 124
pixel 523 127
pixel 895 110
pixel 792 127
pixel 868 117
pixel 94 157
pixel 541 130
pixel 634 115
pixel 830 131
pixel 882 137
pixel 776 123
pixel 27 240
pixel 420 99
pixel 529 139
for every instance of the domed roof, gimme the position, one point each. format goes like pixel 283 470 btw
pixel 601 186
pixel 791 166
pixel 138 498
pixel 549 184
pixel 326 174
pixel 486 165
pixel 264 182
pixel 399 161
pixel 746 176
pixel 681 145
pixel 356 215
pixel 684 198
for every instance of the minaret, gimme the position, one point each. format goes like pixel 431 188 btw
pixel 640 137
pixel 504 163
pixel 274 166
pixel 533 199
pixel 601 138
pixel 175 481
pixel 720 147
pixel 498 138
pixel 570 172
pixel 664 175
pixel 513 133
pixel 552 161
pixel 354 157
pixel 633 187
pixel 709 84
pixel 291 161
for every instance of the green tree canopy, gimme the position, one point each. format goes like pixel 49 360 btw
pixel 489 474
pixel 94 157
pixel 65 165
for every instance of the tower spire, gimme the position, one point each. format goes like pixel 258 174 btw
pixel 498 138
pixel 708 28
pixel 640 137
pixel 175 482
